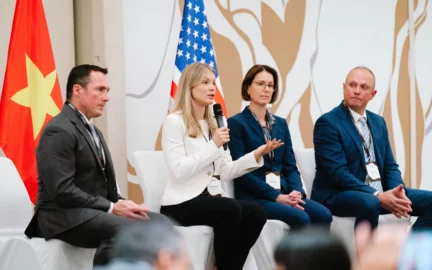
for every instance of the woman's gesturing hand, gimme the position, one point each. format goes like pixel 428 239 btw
pixel 267 148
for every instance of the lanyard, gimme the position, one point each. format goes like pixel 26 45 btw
pixel 266 133
pixel 86 125
pixel 210 137
pixel 268 127
pixel 361 136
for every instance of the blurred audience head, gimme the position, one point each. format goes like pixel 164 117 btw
pixel 153 241
pixel 380 248
pixel 312 248
pixel 416 253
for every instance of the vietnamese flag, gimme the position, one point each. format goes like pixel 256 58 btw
pixel 31 93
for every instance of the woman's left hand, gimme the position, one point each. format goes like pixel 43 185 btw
pixel 267 148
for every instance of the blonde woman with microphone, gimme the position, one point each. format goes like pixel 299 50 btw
pixel 193 150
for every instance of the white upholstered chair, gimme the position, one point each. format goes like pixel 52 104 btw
pixel 16 212
pixel 16 253
pixel 343 226
pixel 153 175
pixel 53 254
pixel 271 234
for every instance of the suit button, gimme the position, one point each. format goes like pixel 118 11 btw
pixel 208 173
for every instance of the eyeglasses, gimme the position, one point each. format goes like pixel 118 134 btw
pixel 261 86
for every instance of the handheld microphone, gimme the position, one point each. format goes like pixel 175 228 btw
pixel 218 114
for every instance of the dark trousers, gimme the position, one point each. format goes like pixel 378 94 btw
pixel 236 225
pixel 366 206
pixel 98 232
pixel 313 213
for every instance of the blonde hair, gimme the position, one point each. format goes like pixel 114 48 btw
pixel 192 76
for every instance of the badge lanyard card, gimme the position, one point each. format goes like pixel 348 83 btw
pixel 214 188
pixel 371 167
pixel 272 178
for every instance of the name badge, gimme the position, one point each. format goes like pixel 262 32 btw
pixel 273 180
pixel 373 172
pixel 215 187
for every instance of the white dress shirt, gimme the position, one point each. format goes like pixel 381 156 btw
pixel 89 122
pixel 356 116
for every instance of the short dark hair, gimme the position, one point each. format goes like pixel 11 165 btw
pixel 250 76
pixel 81 75
pixel 312 248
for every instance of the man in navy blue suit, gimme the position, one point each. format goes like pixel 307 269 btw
pixel 356 173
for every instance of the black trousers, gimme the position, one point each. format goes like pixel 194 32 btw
pixel 236 225
pixel 98 232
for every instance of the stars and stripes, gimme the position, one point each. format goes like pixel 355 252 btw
pixel 195 45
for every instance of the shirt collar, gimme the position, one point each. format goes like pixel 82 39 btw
pixel 269 117
pixel 356 116
pixel 89 121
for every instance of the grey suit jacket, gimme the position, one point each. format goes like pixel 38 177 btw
pixel 72 186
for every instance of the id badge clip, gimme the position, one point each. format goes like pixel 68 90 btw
pixel 273 179
pixel 373 172
pixel 214 188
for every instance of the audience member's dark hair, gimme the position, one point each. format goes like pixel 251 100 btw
pixel 310 249
pixel 81 75
pixel 142 240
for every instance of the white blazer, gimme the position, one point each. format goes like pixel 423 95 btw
pixel 189 161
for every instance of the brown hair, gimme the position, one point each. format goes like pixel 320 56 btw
pixel 250 76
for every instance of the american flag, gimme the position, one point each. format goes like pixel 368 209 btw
pixel 195 45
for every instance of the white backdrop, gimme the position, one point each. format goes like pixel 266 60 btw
pixel 313 44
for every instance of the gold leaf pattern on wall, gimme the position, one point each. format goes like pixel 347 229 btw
pixel 229 16
pixel 158 144
pixel 283 39
pixel 389 122
pixel 428 111
pixel 305 118
pixel 403 97
pixel 420 134
pixel 130 169
pixel 284 48
pixel 401 16
pixel 135 193
pixel 134 190
pixel 230 72
pixel 306 121
pixel 420 116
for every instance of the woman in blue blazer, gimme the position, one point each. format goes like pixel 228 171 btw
pixel 276 186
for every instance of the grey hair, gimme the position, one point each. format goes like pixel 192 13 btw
pixel 142 240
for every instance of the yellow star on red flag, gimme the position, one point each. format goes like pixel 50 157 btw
pixel 37 95
pixel 31 94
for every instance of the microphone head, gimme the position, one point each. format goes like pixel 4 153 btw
pixel 217 110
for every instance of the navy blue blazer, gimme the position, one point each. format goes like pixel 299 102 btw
pixel 339 156
pixel 246 135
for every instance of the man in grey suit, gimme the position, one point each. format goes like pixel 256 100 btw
pixel 77 198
